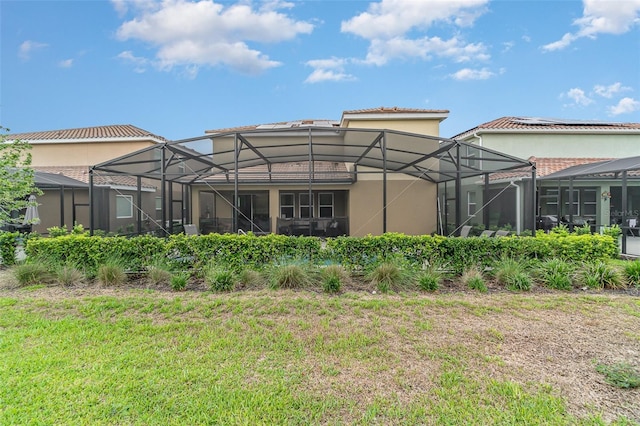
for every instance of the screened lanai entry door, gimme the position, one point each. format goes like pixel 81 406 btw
pixel 216 212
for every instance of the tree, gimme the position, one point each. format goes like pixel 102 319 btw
pixel 17 178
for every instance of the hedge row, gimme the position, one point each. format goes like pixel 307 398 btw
pixel 239 251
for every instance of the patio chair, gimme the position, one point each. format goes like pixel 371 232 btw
pixel 487 233
pixel 501 233
pixel 464 232
pixel 191 229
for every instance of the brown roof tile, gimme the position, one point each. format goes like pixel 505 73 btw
pixel 298 171
pixel 81 173
pixel 118 131
pixel 538 124
pixel 544 167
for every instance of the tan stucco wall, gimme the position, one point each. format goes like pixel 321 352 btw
pixel 411 207
pixel 421 126
pixel 565 145
pixel 81 154
pixel 49 209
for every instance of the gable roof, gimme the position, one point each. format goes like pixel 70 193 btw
pixel 96 133
pixel 549 125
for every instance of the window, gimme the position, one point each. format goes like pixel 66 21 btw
pixel 158 203
pixel 286 205
pixel 472 157
pixel 572 204
pixel 124 206
pixel 305 205
pixel 325 204
pixel 549 201
pixel 589 197
pixel 471 203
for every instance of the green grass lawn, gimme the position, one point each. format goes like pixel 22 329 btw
pixel 278 357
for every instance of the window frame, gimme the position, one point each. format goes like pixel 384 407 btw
pixel 129 199
pixel 288 206
pixel 324 206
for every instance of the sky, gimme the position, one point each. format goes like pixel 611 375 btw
pixel 177 68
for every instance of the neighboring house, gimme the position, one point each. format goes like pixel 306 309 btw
pixel 374 171
pixel 554 145
pixel 62 160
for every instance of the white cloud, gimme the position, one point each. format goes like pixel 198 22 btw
pixel 392 18
pixel 66 63
pixel 609 91
pixel 578 96
pixel 205 33
pixel 625 106
pixel 471 74
pixel 382 51
pixel 140 63
pixel 387 25
pixel 29 46
pixel 601 17
pixel 331 69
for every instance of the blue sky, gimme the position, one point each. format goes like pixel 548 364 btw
pixel 177 67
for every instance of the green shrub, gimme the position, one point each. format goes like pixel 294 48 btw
pixel 219 278
pixel 32 273
pixel 389 275
pixel 555 273
pixel 332 277
pixel 56 231
pixel 582 230
pixel 621 375
pixel 250 278
pixel 111 273
pixel 632 272
pixel 69 274
pixel 290 276
pixel 601 275
pixel 430 279
pixel 512 274
pixel 157 275
pixel 474 279
pixel 179 280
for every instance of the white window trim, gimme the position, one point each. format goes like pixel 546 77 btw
pixel 300 205
pixel 321 206
pixel 469 204
pixel 292 206
pixel 129 199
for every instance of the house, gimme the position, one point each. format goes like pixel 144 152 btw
pixel 373 171
pixel 554 145
pixel 62 160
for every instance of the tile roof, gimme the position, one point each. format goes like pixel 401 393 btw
pixel 293 172
pixel 395 109
pixel 117 131
pixel 81 173
pixel 538 124
pixel 544 167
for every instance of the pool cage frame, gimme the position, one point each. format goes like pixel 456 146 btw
pixel 248 157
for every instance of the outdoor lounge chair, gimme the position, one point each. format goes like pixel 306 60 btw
pixel 190 229
pixel 487 233
pixel 501 233
pixel 464 232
